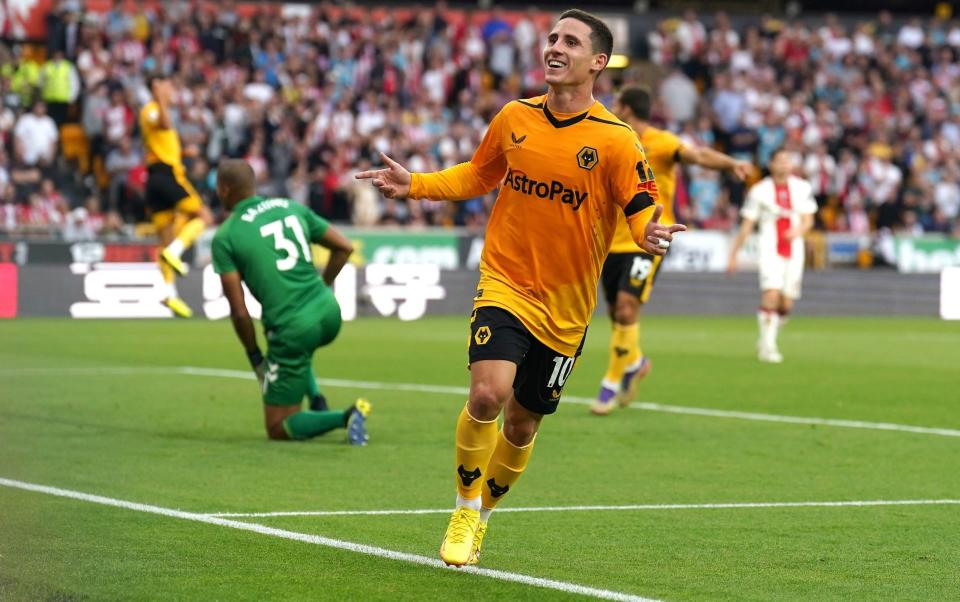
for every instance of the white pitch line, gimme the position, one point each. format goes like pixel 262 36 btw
pixel 455 390
pixel 731 505
pixel 571 588
pixel 652 407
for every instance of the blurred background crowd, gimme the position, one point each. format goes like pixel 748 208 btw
pixel 870 109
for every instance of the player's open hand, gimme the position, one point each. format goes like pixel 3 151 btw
pixel 393 182
pixel 742 170
pixel 657 237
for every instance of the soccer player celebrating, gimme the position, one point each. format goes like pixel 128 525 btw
pixel 177 212
pixel 265 243
pixel 784 207
pixel 629 273
pixel 566 167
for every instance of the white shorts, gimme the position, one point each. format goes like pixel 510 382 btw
pixel 782 274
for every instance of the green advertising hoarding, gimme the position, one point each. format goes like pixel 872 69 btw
pixel 927 254
pixel 387 247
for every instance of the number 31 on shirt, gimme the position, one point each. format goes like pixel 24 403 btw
pixel 282 243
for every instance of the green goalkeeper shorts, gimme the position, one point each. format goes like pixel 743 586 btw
pixel 290 350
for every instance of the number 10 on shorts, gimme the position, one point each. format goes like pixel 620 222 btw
pixel 562 367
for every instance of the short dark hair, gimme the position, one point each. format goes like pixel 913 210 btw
pixel 156 76
pixel 238 176
pixel 600 35
pixel 637 99
pixel 780 149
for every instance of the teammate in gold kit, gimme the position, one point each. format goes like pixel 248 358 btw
pixel 566 169
pixel 629 272
pixel 177 211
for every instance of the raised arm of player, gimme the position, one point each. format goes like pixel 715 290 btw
pixel 713 159
pixel 163 95
pixel 462 181
pixel 242 323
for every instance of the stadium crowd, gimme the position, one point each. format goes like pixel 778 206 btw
pixel 871 110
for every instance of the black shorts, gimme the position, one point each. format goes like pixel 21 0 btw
pixel 164 188
pixel 496 334
pixel 632 273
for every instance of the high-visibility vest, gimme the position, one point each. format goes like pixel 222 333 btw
pixel 56 81
pixel 23 81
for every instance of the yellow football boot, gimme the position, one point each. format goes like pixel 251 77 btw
pixel 179 307
pixel 174 262
pixel 477 542
pixel 457 546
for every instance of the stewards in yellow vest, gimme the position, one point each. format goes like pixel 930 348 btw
pixel 23 80
pixel 59 86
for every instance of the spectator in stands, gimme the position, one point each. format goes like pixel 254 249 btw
pixel 80 225
pixel 680 95
pixel 820 168
pixel 25 77
pixel 120 161
pixel 59 86
pixel 4 173
pixel 946 193
pixel 117 118
pixel 25 180
pixel 93 63
pixel 8 211
pixel 35 137
pixel 316 96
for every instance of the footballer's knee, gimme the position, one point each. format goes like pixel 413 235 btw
pixel 486 400
pixel 520 434
pixel 627 309
pixel 770 300
pixel 626 314
pixel 519 428
pixel 276 432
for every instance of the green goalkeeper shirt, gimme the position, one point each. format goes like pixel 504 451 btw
pixel 267 240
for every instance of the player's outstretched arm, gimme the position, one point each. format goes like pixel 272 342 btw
pixel 242 324
pixel 340 250
pixel 746 227
pixel 713 159
pixel 462 181
pixel 164 96
pixel 652 236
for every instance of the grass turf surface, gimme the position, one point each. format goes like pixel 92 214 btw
pixel 196 443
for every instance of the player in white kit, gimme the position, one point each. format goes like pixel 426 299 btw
pixel 784 207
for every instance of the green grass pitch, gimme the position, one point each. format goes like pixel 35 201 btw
pixel 195 443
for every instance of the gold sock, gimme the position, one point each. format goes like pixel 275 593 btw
pixel 179 221
pixel 167 272
pixel 506 465
pixel 191 231
pixel 624 350
pixel 475 443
